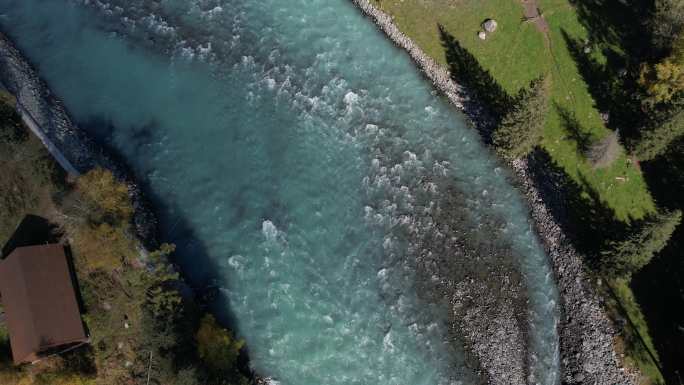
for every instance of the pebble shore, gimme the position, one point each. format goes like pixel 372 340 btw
pixel 586 333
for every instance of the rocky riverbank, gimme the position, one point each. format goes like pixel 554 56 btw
pixel 586 334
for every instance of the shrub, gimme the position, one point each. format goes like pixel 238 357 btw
pixel 102 246
pixel 216 346
pixel 62 379
pixel 604 152
pixel 187 376
pixel 11 127
pixel 97 218
pixel 106 196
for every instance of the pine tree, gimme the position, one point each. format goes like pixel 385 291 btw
pixel 162 298
pixel 522 127
pixel 655 141
pixel 628 256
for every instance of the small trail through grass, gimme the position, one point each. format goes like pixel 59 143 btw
pixel 532 14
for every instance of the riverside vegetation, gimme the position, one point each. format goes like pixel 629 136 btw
pixel 616 74
pixel 142 329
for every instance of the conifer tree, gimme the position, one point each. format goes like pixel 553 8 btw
pixel 521 128
pixel 666 23
pixel 655 141
pixel 628 256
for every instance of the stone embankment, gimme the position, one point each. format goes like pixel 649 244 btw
pixel 586 334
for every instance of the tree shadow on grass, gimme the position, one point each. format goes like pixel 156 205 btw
pixel 658 286
pixel 467 71
pixel 612 85
pixel 32 230
pixel 573 127
pixel 617 23
pixel 80 361
pixel 576 206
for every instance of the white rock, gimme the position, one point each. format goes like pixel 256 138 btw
pixel 482 35
pixel 490 25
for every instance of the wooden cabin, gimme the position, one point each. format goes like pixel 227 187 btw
pixel 40 304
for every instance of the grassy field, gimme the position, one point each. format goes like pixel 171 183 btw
pixel 515 54
pixel 576 42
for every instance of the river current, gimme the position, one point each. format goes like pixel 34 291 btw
pixel 297 159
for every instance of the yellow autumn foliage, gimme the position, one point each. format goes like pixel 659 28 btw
pixel 103 246
pixel 662 80
pixel 100 189
pixel 216 346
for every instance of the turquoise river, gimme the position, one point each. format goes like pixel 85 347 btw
pixel 292 153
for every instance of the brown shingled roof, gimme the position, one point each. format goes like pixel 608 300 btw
pixel 41 311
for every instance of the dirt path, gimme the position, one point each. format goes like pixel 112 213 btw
pixel 532 14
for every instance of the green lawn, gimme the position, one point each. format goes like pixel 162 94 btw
pixel 515 54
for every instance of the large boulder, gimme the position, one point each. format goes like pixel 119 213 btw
pixel 490 25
